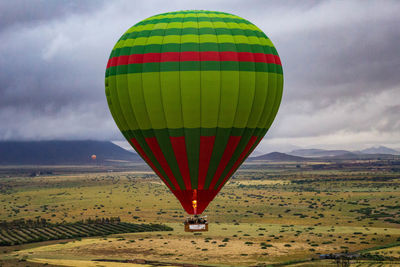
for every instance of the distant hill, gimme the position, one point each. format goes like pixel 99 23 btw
pixel 62 152
pixel 256 153
pixel 380 150
pixel 277 156
pixel 317 153
pixel 360 156
pixel 323 153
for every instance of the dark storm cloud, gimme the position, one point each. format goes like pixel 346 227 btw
pixel 52 73
pixel 341 63
pixel 29 12
pixel 358 58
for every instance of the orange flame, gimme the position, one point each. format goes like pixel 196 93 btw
pixel 194 201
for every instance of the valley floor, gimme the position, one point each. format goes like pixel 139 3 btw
pixel 268 214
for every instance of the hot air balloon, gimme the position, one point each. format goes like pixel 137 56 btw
pixel 194 92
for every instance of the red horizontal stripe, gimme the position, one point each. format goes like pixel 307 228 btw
pixel 193 56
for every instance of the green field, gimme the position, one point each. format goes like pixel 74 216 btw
pixel 268 213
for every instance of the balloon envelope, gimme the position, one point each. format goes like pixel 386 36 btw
pixel 194 92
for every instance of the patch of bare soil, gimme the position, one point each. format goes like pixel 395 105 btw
pixel 152 263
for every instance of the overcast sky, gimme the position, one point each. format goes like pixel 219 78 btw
pixel 341 62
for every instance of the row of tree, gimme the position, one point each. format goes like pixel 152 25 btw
pixel 42 222
pixel 22 223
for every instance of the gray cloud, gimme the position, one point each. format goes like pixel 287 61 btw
pixel 30 13
pixel 341 62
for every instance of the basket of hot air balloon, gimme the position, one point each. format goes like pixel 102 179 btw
pixel 194 92
pixel 196 224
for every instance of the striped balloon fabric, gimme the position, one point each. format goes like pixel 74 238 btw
pixel 194 92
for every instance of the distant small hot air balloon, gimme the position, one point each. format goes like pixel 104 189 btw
pixel 194 92
pixel 93 157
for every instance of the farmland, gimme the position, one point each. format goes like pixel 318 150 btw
pixel 20 232
pixel 269 212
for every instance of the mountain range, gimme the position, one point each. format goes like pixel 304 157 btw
pixel 80 152
pixel 331 153
pixel 380 152
pixel 62 152
pixel 278 156
pixel 317 152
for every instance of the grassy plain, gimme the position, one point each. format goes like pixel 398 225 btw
pixel 268 213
